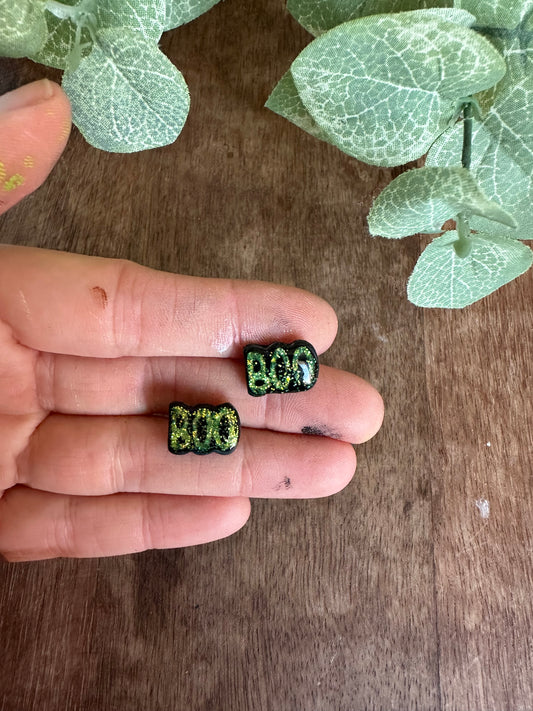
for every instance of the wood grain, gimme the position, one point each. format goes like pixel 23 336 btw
pixel 394 594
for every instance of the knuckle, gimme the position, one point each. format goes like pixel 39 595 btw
pixel 62 539
pixel 45 380
pixel 149 515
pixel 245 474
pixel 126 307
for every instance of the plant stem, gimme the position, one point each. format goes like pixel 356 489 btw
pixel 466 156
pixel 463 229
pixel 81 14
pixel 463 245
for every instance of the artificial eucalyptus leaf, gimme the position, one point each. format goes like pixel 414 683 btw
pixel 126 95
pixel 179 12
pixel 510 120
pixel 61 33
pixel 146 16
pixel 22 27
pixel 421 200
pixel 384 87
pixel 496 171
pixel 450 14
pixel 318 17
pixel 442 279
pixel 285 101
pixel 496 13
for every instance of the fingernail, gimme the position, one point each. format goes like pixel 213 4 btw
pixel 28 95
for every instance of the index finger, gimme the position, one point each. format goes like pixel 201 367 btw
pixel 89 306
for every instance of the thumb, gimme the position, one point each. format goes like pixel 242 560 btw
pixel 34 128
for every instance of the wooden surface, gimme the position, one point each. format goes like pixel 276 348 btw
pixel 394 594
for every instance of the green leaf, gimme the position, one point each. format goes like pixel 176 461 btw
pixel 60 40
pixel 126 95
pixel 384 87
pixel 496 13
pixel 511 120
pixel 495 169
pixel 145 16
pixel 180 12
pixel 285 101
pixel 421 200
pixel 510 30
pixel 318 17
pixel 442 279
pixel 503 142
pixel 22 27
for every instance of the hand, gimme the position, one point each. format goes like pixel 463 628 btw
pixel 92 351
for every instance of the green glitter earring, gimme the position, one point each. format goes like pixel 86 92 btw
pixel 280 368
pixel 202 429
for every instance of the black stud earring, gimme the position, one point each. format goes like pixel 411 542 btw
pixel 203 429
pixel 280 368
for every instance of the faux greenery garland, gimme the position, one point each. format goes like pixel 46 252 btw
pixel 391 81
pixel 386 81
pixel 126 95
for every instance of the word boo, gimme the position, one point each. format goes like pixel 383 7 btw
pixel 280 368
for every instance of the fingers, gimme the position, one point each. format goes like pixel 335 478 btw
pixel 36 525
pixel 34 128
pixel 105 455
pixel 340 405
pixel 66 303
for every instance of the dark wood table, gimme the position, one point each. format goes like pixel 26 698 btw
pixel 412 588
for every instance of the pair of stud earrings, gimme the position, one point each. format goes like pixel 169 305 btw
pixel 278 368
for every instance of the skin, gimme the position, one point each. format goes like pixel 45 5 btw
pixel 93 350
